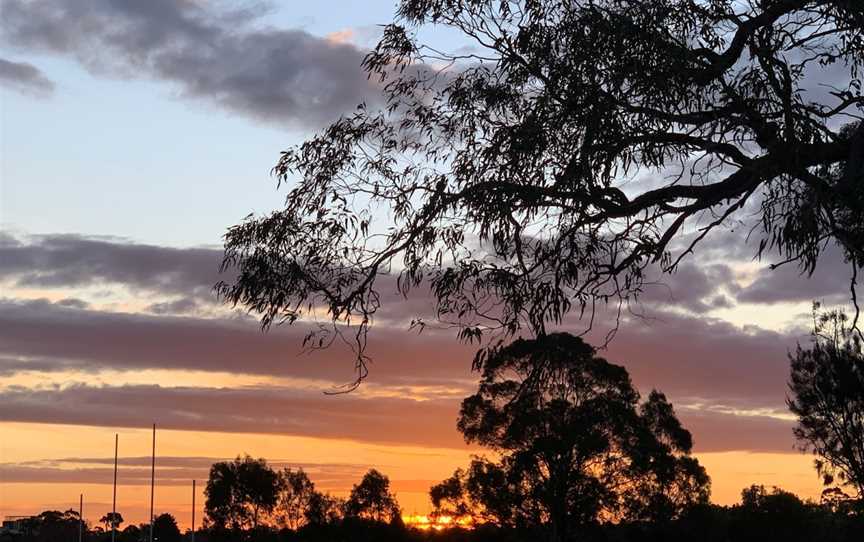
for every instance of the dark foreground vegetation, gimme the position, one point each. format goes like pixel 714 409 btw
pixel 762 515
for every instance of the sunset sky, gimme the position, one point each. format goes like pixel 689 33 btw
pixel 134 133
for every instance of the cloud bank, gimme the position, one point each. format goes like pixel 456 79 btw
pixel 226 56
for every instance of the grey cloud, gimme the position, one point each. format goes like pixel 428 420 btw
pixel 73 303
pixel 170 470
pixel 830 282
pixel 227 57
pixel 685 357
pixel 25 78
pixel 270 410
pixel 708 358
pixel 39 335
pixel 61 261
pixel 695 288
pixel 288 411
pixel 184 305
pixel 716 432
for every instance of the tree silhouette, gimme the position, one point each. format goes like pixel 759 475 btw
pixel 239 491
pixel 827 385
pixel 165 528
pixel 576 444
pixel 487 493
pixel 323 509
pixel 295 493
pixel 502 180
pixel 53 526
pixel 111 519
pixel 371 499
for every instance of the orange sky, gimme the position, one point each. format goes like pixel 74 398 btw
pixel 411 469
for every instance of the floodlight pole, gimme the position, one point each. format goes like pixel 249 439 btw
pixel 114 501
pixel 193 510
pixel 81 518
pixel 152 480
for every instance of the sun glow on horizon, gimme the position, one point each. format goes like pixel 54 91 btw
pixel 436 523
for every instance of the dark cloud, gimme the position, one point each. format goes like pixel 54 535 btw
pixel 264 410
pixel 830 282
pixel 39 335
pixel 184 305
pixel 718 432
pixel 70 261
pixel 170 471
pixel 228 57
pixel 707 359
pixel 696 288
pixel 25 78
pixel 287 411
pixel 73 303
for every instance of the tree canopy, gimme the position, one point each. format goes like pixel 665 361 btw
pixel 165 528
pixel 240 492
pixel 295 494
pixel 577 447
pixel 567 147
pixel 372 499
pixel 827 396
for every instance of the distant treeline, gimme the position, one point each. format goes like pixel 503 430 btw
pixel 762 515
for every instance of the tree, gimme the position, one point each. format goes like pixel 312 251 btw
pixel 53 526
pixel 487 492
pixel 772 515
pixel 501 179
pixel 827 386
pixel 165 528
pixel 371 499
pixel 323 509
pixel 576 444
pixel 239 491
pixel 296 492
pixel 111 520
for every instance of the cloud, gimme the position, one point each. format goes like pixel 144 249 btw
pixel 699 289
pixel 170 471
pixel 693 358
pixel 25 78
pixel 830 281
pixel 263 410
pixel 73 261
pixel 38 335
pixel 228 57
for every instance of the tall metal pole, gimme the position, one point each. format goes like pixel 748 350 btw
pixel 114 502
pixel 152 480
pixel 81 518
pixel 193 510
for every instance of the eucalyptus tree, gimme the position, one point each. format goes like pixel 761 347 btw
pixel 240 493
pixel 501 176
pixel 372 499
pixel 576 445
pixel 827 396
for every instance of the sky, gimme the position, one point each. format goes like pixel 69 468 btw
pixel 132 134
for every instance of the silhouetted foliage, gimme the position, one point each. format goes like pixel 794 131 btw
pixel 52 526
pixel 371 499
pixel 576 445
pixel 763 515
pixel 323 509
pixel 295 493
pixel 111 520
pixel 165 528
pixel 502 179
pixel 239 492
pixel 827 385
